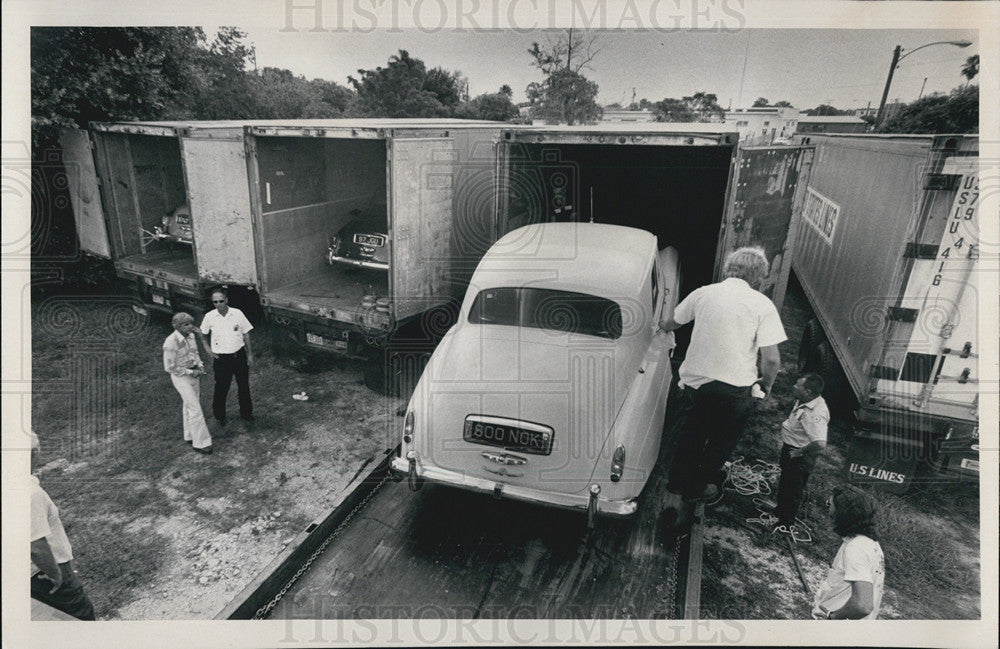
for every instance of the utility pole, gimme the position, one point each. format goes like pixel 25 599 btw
pixel 888 82
pixel 922 88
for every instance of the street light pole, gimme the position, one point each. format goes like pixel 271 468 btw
pixel 898 56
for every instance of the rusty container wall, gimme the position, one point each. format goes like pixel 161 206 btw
pixel 219 197
pixel 861 209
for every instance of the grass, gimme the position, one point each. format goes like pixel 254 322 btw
pixel 115 463
pixel 922 532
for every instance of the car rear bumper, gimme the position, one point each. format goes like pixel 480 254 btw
pixel 615 508
pixel 358 263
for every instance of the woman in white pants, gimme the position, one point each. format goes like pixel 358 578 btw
pixel 182 361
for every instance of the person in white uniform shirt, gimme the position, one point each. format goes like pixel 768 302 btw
pixel 183 362
pixel 803 436
pixel 853 587
pixel 53 579
pixel 229 332
pixel 733 320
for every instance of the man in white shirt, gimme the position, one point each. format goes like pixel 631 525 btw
pixel 229 332
pixel 53 579
pixel 733 320
pixel 803 436
pixel 853 587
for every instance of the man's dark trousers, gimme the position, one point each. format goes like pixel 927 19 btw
pixel 714 418
pixel 226 367
pixel 792 484
pixel 69 598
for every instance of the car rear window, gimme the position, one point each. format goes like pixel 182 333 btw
pixel 542 308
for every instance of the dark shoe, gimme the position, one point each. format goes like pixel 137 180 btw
pixel 709 494
pixel 188 441
pixel 204 451
pixel 248 418
pixel 222 422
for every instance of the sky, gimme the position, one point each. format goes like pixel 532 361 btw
pixel 807 67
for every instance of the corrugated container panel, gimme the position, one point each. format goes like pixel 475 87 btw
pixel 852 268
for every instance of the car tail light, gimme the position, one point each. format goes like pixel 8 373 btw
pixel 408 427
pixel 618 463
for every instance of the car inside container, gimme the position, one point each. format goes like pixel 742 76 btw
pixel 146 201
pixel 676 192
pixel 310 189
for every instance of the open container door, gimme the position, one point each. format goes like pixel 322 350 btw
pixel 215 165
pixel 765 204
pixel 84 192
pixel 421 219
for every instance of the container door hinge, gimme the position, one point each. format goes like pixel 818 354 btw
pixel 944 182
pixel 901 314
pixel 921 251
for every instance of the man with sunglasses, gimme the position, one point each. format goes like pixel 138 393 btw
pixel 229 330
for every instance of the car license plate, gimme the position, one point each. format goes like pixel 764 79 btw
pixel 369 240
pixel 315 339
pixel 519 436
pixel 971 465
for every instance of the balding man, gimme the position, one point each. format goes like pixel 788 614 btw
pixel 733 320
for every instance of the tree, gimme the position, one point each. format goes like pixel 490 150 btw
pixel 565 96
pixel 705 106
pixel 85 74
pixel 673 110
pixel 957 112
pixel 405 88
pixel 761 102
pixel 971 67
pixel 782 104
pixel 495 106
pixel 826 110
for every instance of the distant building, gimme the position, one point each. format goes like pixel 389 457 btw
pixel 765 125
pixel 831 124
pixel 624 116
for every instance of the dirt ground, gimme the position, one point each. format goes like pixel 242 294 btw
pixel 162 533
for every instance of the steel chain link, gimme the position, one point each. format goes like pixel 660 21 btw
pixel 267 608
pixel 673 575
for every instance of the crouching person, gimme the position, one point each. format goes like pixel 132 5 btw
pixel 852 589
pixel 803 437
pixel 53 580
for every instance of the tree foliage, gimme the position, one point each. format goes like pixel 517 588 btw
pixel 406 88
pixel 566 96
pixel 762 102
pixel 957 112
pixel 971 67
pixel 495 106
pixel 826 110
pixel 673 110
pixel 699 107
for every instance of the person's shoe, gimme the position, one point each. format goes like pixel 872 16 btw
pixel 189 441
pixel 204 451
pixel 221 421
pixel 710 494
pixel 248 418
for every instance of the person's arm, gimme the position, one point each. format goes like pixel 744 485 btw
pixel 170 362
pixel 204 340
pixel 860 604
pixel 809 450
pixel 770 363
pixel 41 556
pixel 246 344
pixel 669 325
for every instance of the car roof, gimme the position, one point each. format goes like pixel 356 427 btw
pixel 609 261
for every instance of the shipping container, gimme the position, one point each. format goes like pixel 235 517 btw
pixel 691 185
pixel 169 204
pixel 887 258
pixel 360 225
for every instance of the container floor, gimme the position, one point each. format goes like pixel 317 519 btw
pixel 179 261
pixel 334 288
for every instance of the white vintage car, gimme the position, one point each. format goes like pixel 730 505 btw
pixel 552 386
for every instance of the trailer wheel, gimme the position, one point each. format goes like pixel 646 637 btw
pixel 838 395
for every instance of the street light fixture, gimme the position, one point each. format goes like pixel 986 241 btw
pixel 897 56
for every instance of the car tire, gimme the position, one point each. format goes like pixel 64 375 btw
pixel 812 335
